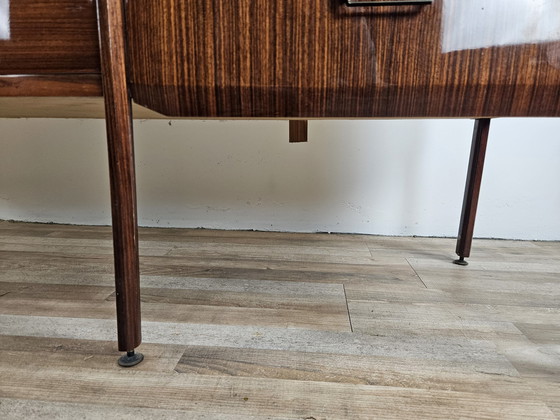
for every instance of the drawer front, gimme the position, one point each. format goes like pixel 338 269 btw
pixel 48 36
pixel 321 58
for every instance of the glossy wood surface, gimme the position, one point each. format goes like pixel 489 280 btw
pixel 60 85
pixel 64 107
pixel 118 116
pixel 299 130
pixel 50 36
pixel 320 58
pixel 472 188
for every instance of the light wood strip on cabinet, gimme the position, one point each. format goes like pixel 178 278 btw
pixel 62 106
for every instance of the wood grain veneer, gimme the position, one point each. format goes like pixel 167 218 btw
pixel 64 107
pixel 118 116
pixel 319 58
pixel 298 131
pixel 45 85
pixel 51 36
pixel 472 188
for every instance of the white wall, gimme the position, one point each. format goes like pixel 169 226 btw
pixel 380 177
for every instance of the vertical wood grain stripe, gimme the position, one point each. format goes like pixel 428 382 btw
pixel 122 173
pixel 321 59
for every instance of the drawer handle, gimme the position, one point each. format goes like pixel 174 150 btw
pixel 353 3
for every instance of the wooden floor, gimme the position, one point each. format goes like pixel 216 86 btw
pixel 242 325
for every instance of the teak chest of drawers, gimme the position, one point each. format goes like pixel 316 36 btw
pixel 289 59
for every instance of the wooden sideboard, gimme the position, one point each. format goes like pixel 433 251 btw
pixel 288 59
pixel 322 59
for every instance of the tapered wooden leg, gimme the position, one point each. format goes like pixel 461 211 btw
pixel 122 177
pixel 472 189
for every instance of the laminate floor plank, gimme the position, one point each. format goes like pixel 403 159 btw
pixel 80 247
pixel 552 246
pixel 276 253
pixel 247 261
pixel 240 268
pixel 542 360
pixel 42 230
pixel 256 285
pixel 246 325
pixel 252 237
pixel 548 265
pixel 351 369
pixel 484 251
pixel 310 250
pixel 35 275
pixel 11 287
pixel 247 299
pixel 478 355
pixel 519 315
pixel 32 409
pixel 50 261
pixel 430 322
pixel 320 274
pixel 375 291
pixel 183 236
pixel 483 280
pixel 230 267
pixel 548 390
pixel 386 246
pixel 329 319
pixel 541 333
pixel 252 396
pixel 39 291
pixel 98 272
pixel 36 352
pixel 226 292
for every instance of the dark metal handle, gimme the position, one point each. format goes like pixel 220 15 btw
pixel 353 3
